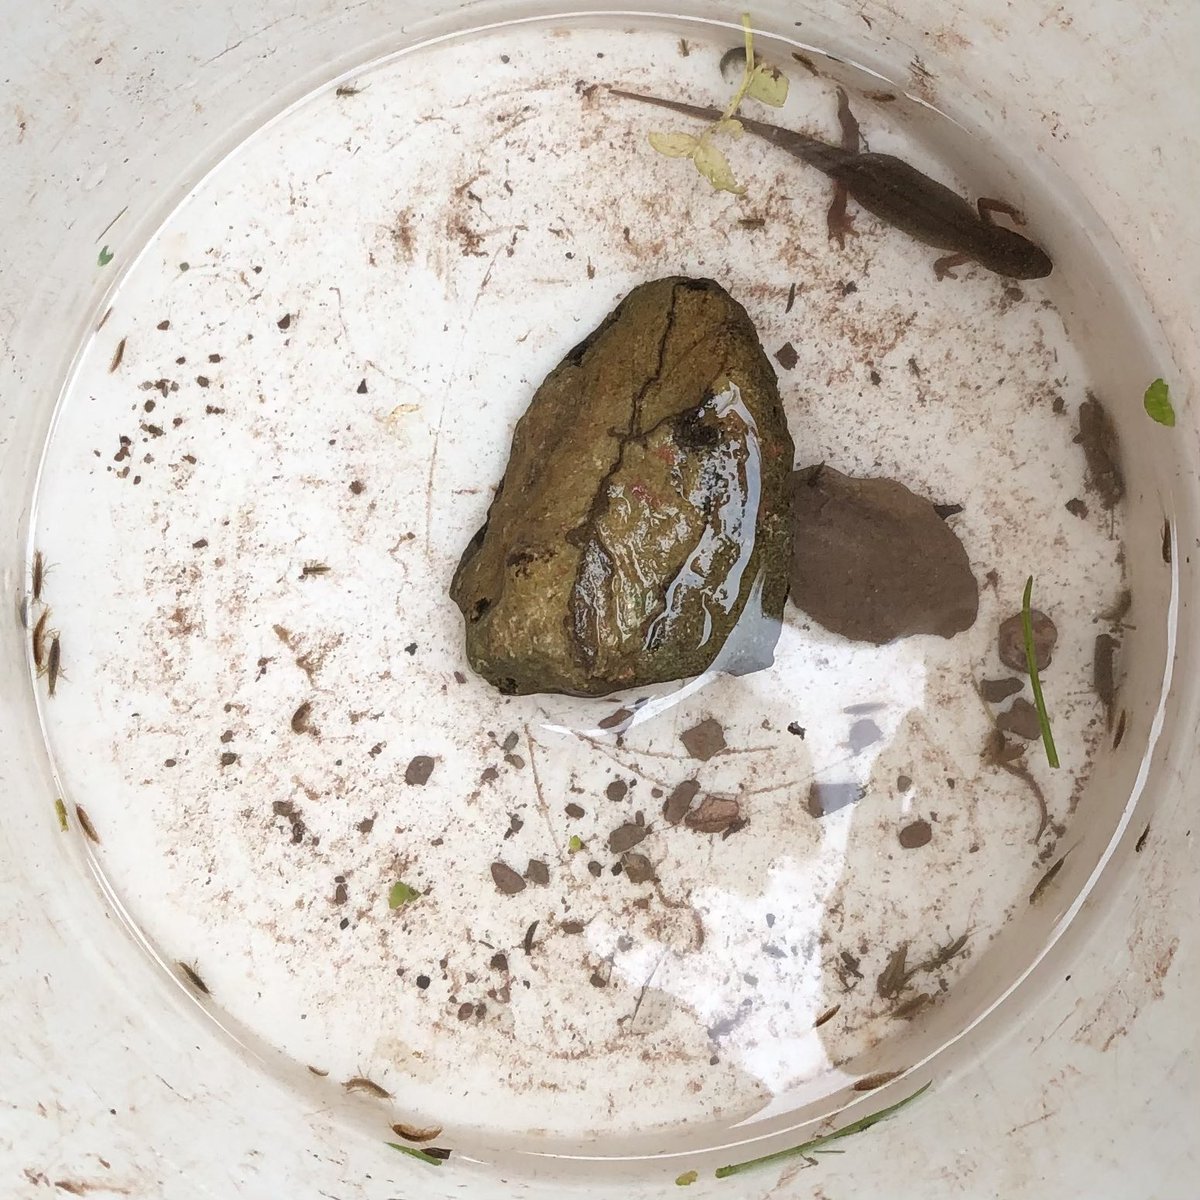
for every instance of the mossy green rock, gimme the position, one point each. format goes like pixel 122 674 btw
pixel 643 516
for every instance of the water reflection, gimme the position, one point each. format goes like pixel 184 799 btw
pixel 756 984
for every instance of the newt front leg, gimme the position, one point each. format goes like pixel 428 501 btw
pixel 988 207
pixel 943 267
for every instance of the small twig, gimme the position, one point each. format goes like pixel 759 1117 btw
pixel 543 807
pixel 1031 662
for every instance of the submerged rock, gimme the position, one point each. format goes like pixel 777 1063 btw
pixel 874 562
pixel 643 514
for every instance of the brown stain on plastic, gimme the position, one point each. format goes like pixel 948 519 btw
pixel 1141 979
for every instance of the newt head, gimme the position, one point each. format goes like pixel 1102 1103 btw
pixel 1011 254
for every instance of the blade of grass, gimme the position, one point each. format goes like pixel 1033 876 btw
pixel 815 1144
pixel 1031 661
pixel 413 1152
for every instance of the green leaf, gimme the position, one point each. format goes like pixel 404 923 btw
pixel 413 1152
pixel 674 145
pixel 1158 403
pixel 714 166
pixel 731 126
pixel 1031 662
pixel 575 844
pixel 401 894
pixel 816 1144
pixel 105 256
pixel 768 85
pixel 60 810
pixel 687 1178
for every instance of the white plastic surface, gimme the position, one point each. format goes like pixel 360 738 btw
pixel 115 1088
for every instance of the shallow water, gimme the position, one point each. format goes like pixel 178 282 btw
pixel 317 362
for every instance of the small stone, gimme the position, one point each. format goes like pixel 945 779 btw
pixel 615 719
pixel 1021 719
pixel 715 814
pixel 537 872
pixel 704 740
pixel 676 805
pixel 638 868
pixel 616 790
pixel 507 881
pixel 419 770
pixel 995 691
pixel 918 834
pixel 300 722
pixel 1012 641
pixel 625 837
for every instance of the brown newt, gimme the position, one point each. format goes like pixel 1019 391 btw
pixel 896 192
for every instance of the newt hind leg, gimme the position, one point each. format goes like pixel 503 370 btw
pixel 988 209
pixel 837 220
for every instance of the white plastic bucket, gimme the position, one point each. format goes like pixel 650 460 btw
pixel 1048 1068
